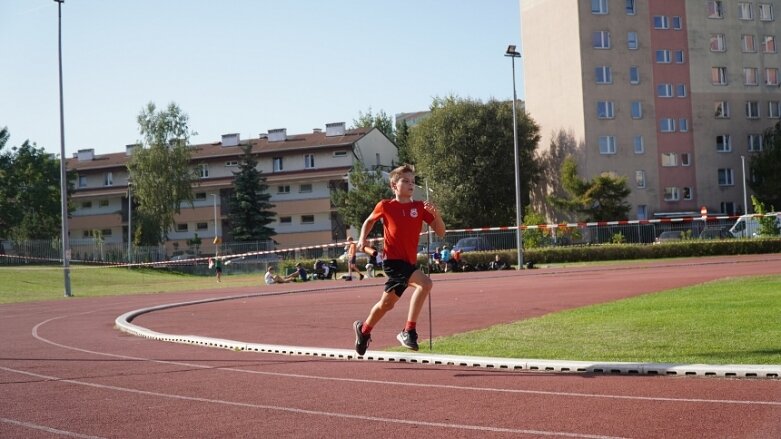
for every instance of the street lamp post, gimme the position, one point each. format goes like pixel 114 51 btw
pixel 129 220
pixel 745 200
pixel 512 53
pixel 63 173
pixel 216 231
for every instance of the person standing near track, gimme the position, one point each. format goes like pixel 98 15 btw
pixel 352 258
pixel 402 219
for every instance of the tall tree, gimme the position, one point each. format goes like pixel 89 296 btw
pixel 160 171
pixel 602 198
pixel 355 205
pixel 465 149
pixel 381 121
pixel 30 204
pixel 764 166
pixel 250 208
pixel 402 142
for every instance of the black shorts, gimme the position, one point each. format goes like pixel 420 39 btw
pixel 398 273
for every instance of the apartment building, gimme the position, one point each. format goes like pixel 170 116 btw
pixel 671 94
pixel 301 171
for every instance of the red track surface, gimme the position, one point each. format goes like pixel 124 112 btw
pixel 65 371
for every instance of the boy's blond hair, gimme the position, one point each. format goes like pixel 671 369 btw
pixel 395 175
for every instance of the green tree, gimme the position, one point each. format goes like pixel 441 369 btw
pixel 768 226
pixel 30 203
pixel 161 171
pixel 381 121
pixel 602 198
pixel 402 142
pixel 465 150
pixel 250 208
pixel 355 205
pixel 765 178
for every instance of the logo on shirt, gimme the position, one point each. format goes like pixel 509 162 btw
pixel 413 212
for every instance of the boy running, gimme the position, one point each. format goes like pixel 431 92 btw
pixel 402 219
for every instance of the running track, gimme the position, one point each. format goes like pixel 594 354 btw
pixel 65 371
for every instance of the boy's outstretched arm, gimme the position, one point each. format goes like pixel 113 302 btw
pixel 365 229
pixel 438 225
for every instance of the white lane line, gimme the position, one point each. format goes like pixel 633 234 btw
pixel 47 429
pixel 469 427
pixel 407 384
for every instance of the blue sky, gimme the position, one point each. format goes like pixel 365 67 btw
pixel 243 66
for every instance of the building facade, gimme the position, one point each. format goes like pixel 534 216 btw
pixel 672 94
pixel 301 171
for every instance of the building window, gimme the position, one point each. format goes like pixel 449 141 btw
pixel 340 153
pixel 744 11
pixel 631 40
pixel 640 179
pixel 631 8
pixel 305 188
pixel 108 179
pixel 661 22
pixel 688 193
pixel 307 219
pixel 202 226
pixel 601 39
pixel 721 109
pixel 750 75
pixel 309 161
pixel 683 125
pixel 771 76
pixel 718 75
pixel 642 212
pixel 82 181
pixel 607 145
pixel 277 163
pixel 605 110
pixel 774 109
pixel 286 220
pixel 604 75
pixel 181 227
pixel 680 90
pixel 725 177
pixel 639 145
pixel 671 194
pixel 634 75
pixel 715 9
pixel 677 23
pixel 724 143
pixel 283 189
pixel 680 57
pixel 599 7
pixel 755 142
pixel 717 43
pixel 769 44
pixel 686 159
pixel 86 204
pixel 669 159
pixel 202 170
pixel 728 207
pixel 200 195
pixel 231 163
pixel 637 109
pixel 748 43
pixel 667 125
pixel 765 12
pixel 752 110
pixel 664 90
pixel 663 56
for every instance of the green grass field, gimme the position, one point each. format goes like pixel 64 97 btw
pixel 736 321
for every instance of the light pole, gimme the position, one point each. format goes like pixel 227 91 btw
pixel 129 220
pixel 63 173
pixel 217 239
pixel 512 53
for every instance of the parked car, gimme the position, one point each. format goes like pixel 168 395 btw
pixel 431 247
pixel 473 244
pixel 715 233
pixel 747 226
pixel 263 258
pixel 669 236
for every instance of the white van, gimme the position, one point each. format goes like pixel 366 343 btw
pixel 747 226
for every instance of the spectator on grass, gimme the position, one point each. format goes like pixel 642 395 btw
pixel 272 277
pixel 497 263
pixel 445 258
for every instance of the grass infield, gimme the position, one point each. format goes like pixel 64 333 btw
pixel 735 321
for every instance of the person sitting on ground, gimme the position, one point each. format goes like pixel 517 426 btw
pixel 272 277
pixel 300 273
pixel 497 263
pixel 455 260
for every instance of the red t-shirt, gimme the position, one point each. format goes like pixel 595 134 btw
pixel 401 223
